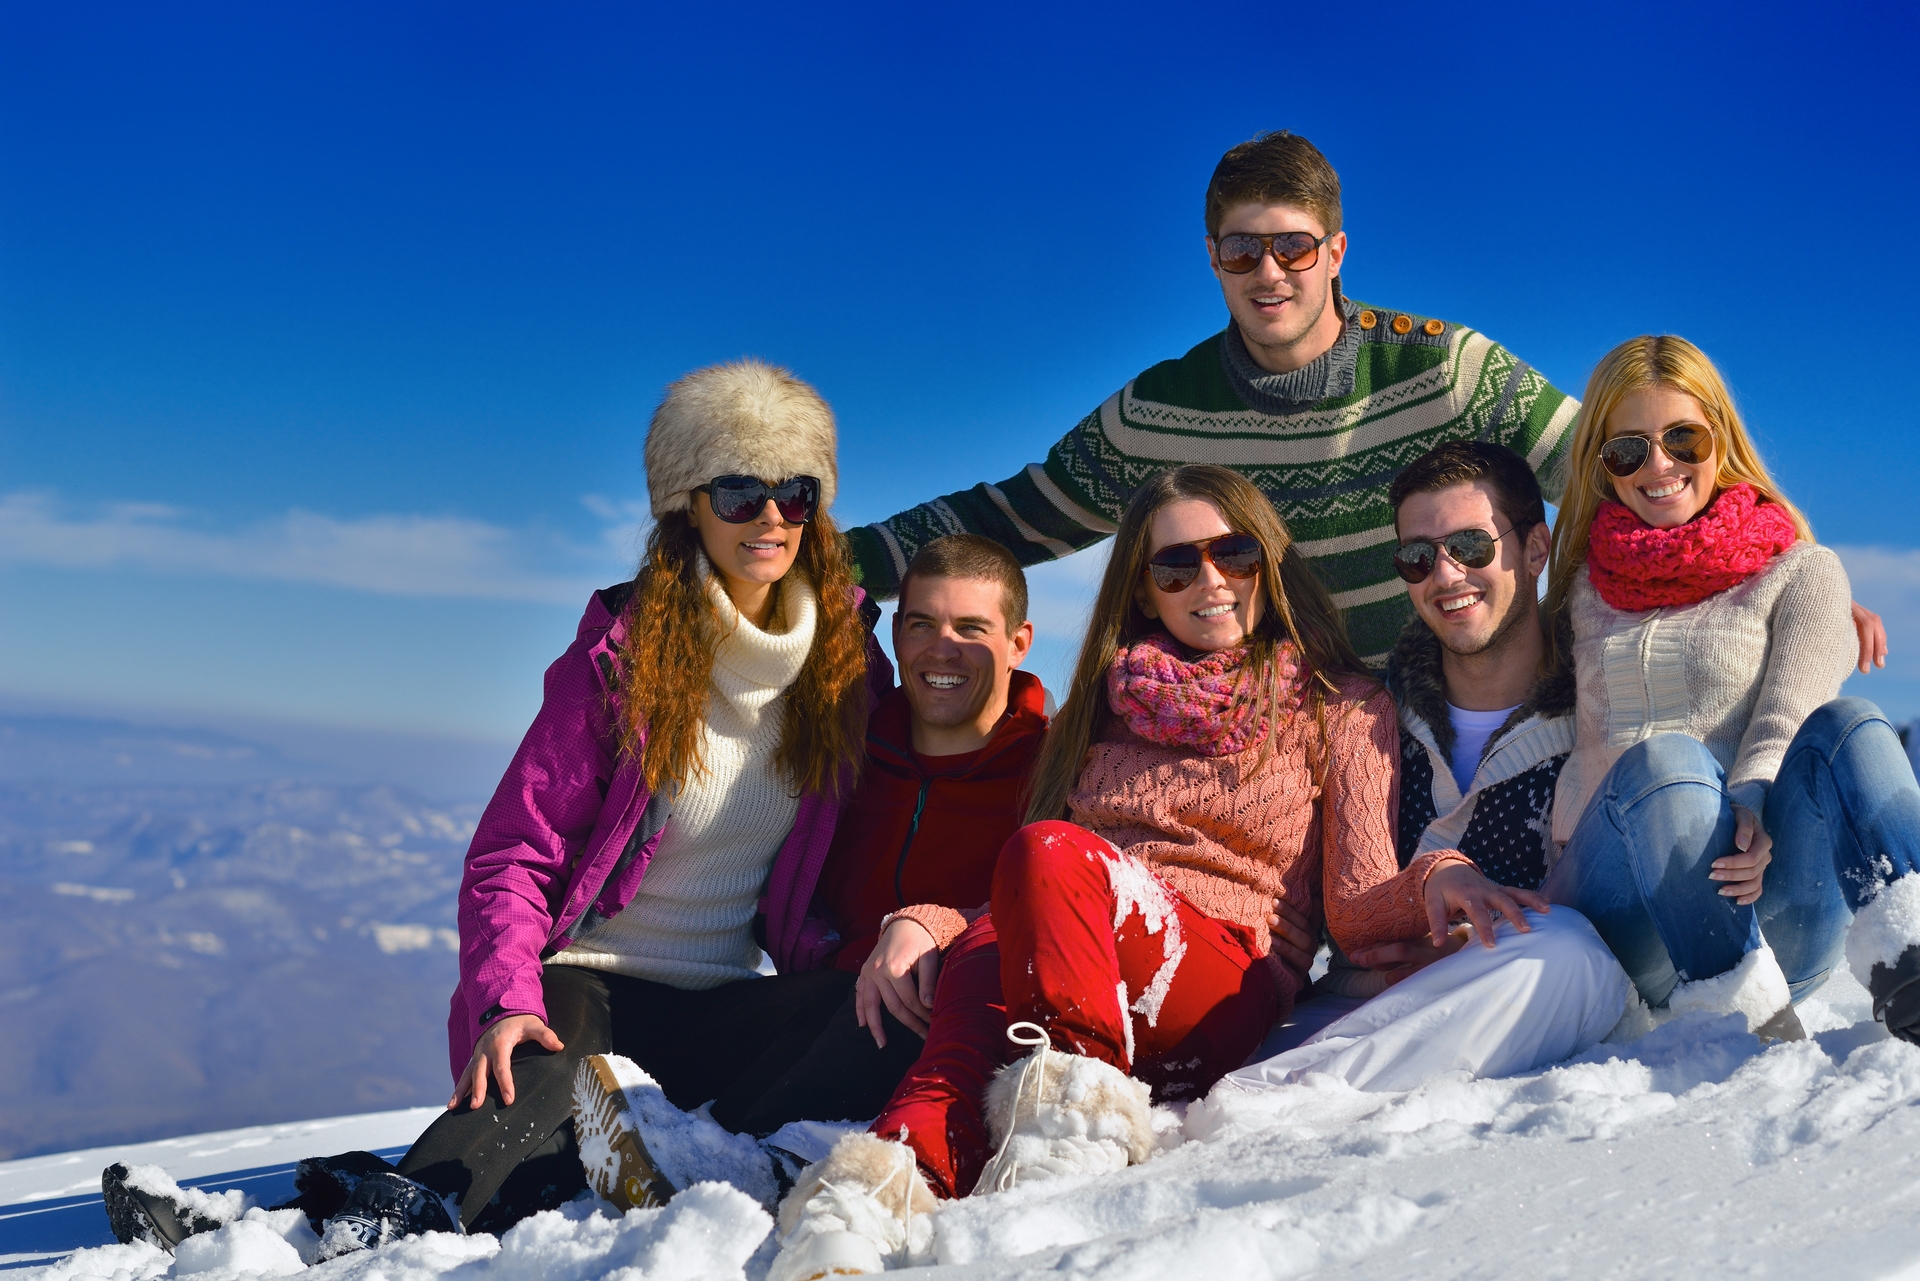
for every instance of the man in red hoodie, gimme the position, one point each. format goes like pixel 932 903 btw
pixel 949 752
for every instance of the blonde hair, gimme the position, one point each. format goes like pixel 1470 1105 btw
pixel 1294 607
pixel 1655 360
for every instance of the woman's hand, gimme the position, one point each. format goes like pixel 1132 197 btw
pixel 1873 638
pixel 1741 871
pixel 1458 889
pixel 1293 941
pixel 493 1056
pixel 899 974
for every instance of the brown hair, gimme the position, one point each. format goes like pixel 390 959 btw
pixel 1294 607
pixel 672 629
pixel 981 559
pixel 1516 491
pixel 1277 168
pixel 1661 360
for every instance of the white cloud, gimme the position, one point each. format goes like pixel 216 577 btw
pixel 404 555
pixel 1887 581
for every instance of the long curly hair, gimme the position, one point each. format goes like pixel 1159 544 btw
pixel 672 630
pixel 1295 606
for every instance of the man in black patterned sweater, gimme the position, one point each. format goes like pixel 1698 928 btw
pixel 1486 714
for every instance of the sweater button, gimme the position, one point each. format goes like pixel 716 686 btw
pixel 1368 320
pixel 1402 324
pixel 1435 328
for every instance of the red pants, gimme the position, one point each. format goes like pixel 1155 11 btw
pixel 1077 931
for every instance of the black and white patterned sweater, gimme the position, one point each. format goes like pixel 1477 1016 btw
pixel 1504 821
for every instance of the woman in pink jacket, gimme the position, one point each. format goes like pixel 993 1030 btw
pixel 665 819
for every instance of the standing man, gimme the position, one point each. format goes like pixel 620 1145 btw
pixel 1317 399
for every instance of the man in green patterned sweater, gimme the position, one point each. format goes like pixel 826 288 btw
pixel 1317 399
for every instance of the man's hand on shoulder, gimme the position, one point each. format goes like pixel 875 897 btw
pixel 1873 638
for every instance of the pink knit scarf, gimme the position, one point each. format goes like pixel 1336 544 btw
pixel 1176 701
pixel 1635 566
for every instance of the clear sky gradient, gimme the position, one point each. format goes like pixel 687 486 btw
pixel 329 333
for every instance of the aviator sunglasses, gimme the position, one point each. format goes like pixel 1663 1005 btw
pixel 1684 443
pixel 1240 252
pixel 739 499
pixel 1234 555
pixel 1469 549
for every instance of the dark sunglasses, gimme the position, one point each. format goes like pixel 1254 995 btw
pixel 1234 555
pixel 1683 442
pixel 1241 252
pixel 1469 549
pixel 739 499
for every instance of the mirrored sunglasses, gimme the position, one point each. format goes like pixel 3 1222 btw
pixel 1683 442
pixel 739 499
pixel 1174 568
pixel 1240 252
pixel 1468 548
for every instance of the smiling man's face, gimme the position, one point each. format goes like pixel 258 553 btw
pixel 1286 317
pixel 957 656
pixel 1472 610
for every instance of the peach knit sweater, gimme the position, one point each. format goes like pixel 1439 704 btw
pixel 1232 833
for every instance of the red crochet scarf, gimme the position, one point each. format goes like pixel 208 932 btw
pixel 1168 698
pixel 1635 566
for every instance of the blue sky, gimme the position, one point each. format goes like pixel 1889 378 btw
pixel 328 333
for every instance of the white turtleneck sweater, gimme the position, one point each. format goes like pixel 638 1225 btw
pixel 691 923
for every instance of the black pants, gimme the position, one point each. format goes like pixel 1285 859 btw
pixel 764 1051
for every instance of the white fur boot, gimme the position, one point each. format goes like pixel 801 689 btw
pixel 1754 988
pixel 1054 1113
pixel 862 1208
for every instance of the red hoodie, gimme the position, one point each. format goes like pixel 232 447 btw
pixel 927 829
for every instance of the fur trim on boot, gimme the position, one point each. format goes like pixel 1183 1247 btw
pixel 862 1208
pixel 1755 988
pixel 742 419
pixel 1054 1113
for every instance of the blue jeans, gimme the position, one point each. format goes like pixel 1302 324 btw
pixel 1844 814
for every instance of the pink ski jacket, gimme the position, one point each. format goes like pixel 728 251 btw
pixel 567 837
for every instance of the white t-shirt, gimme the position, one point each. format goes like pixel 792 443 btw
pixel 1471 730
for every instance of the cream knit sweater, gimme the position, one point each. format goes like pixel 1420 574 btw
pixel 691 923
pixel 1739 671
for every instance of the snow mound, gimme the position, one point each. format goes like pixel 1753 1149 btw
pixel 1692 1151
pixel 1884 928
pixel 707 1233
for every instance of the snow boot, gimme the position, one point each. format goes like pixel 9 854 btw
pixel 612 1150
pixel 638 1149
pixel 384 1207
pixel 1883 951
pixel 1053 1113
pixel 1895 990
pixel 322 1184
pixel 144 1204
pixel 1754 989
pixel 864 1207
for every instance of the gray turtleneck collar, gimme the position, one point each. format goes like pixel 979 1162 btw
pixel 1326 377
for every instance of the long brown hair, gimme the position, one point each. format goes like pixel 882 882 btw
pixel 1295 607
pixel 672 629
pixel 1654 360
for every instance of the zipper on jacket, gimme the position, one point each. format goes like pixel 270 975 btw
pixel 913 828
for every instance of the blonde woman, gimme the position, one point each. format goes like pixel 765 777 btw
pixel 1722 813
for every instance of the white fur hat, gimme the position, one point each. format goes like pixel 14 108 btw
pixel 747 419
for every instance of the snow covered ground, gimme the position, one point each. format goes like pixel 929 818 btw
pixel 1691 1152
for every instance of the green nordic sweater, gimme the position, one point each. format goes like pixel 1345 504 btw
pixel 1326 461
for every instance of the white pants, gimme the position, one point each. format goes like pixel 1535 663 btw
pixel 1530 1000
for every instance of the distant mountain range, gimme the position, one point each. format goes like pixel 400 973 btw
pixel 198 937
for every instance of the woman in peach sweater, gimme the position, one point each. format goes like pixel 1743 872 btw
pixel 1221 749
